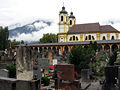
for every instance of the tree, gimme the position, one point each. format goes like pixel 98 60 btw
pixel 49 38
pixel 14 42
pixel 78 58
pixel 81 57
pixel 4 34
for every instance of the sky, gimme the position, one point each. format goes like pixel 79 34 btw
pixel 85 11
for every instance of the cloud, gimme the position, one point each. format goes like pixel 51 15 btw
pixel 35 36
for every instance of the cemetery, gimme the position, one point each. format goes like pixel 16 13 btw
pixel 84 57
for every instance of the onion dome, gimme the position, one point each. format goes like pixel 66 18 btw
pixel 63 10
pixel 71 15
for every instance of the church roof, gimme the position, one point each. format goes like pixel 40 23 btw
pixel 91 27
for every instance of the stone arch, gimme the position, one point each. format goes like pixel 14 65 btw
pixel 103 38
pixel 66 49
pixel 76 38
pixel 73 38
pixel 70 39
pixel 45 49
pixel 106 47
pixel 99 48
pixel 89 37
pixel 93 38
pixel 114 47
pixel 112 38
pixel 86 46
pixel 58 50
pixel 40 49
pixel 86 38
pixel 49 48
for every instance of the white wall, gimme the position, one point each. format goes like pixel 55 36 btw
pixel 113 34
pixel 92 34
pixel 104 34
pixel 78 35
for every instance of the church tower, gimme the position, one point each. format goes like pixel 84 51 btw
pixel 63 25
pixel 72 20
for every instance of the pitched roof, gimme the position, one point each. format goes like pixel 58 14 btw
pixel 107 28
pixel 91 27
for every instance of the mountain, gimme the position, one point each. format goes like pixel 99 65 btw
pixel 27 28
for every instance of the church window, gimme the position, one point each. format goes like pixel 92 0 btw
pixel 70 38
pixel 104 38
pixel 89 37
pixel 61 18
pixel 70 22
pixel 112 38
pixel 93 38
pixel 86 38
pixel 77 38
pixel 73 38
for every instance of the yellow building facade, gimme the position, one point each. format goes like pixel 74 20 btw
pixel 69 31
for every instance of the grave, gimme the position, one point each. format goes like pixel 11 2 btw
pixel 24 65
pixel 64 77
pixel 85 75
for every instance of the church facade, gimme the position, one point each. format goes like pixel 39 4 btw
pixel 69 31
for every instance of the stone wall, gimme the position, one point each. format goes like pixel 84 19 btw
pixel 14 84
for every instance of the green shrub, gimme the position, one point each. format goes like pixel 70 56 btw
pixel 45 81
pixel 12 70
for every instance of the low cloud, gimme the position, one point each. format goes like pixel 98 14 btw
pixel 35 36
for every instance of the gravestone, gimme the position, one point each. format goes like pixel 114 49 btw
pixel 4 73
pixel 3 66
pixel 85 75
pixel 111 75
pixel 36 72
pixel 24 64
pixel 44 63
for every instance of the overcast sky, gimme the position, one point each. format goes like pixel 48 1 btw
pixel 85 11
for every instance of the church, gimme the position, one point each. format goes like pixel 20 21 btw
pixel 69 31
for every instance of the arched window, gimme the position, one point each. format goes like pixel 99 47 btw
pixel 104 38
pixel 61 18
pixel 112 38
pixel 86 38
pixel 70 22
pixel 76 38
pixel 70 38
pixel 93 38
pixel 73 38
pixel 89 37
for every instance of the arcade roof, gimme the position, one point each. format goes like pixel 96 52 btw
pixel 73 43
